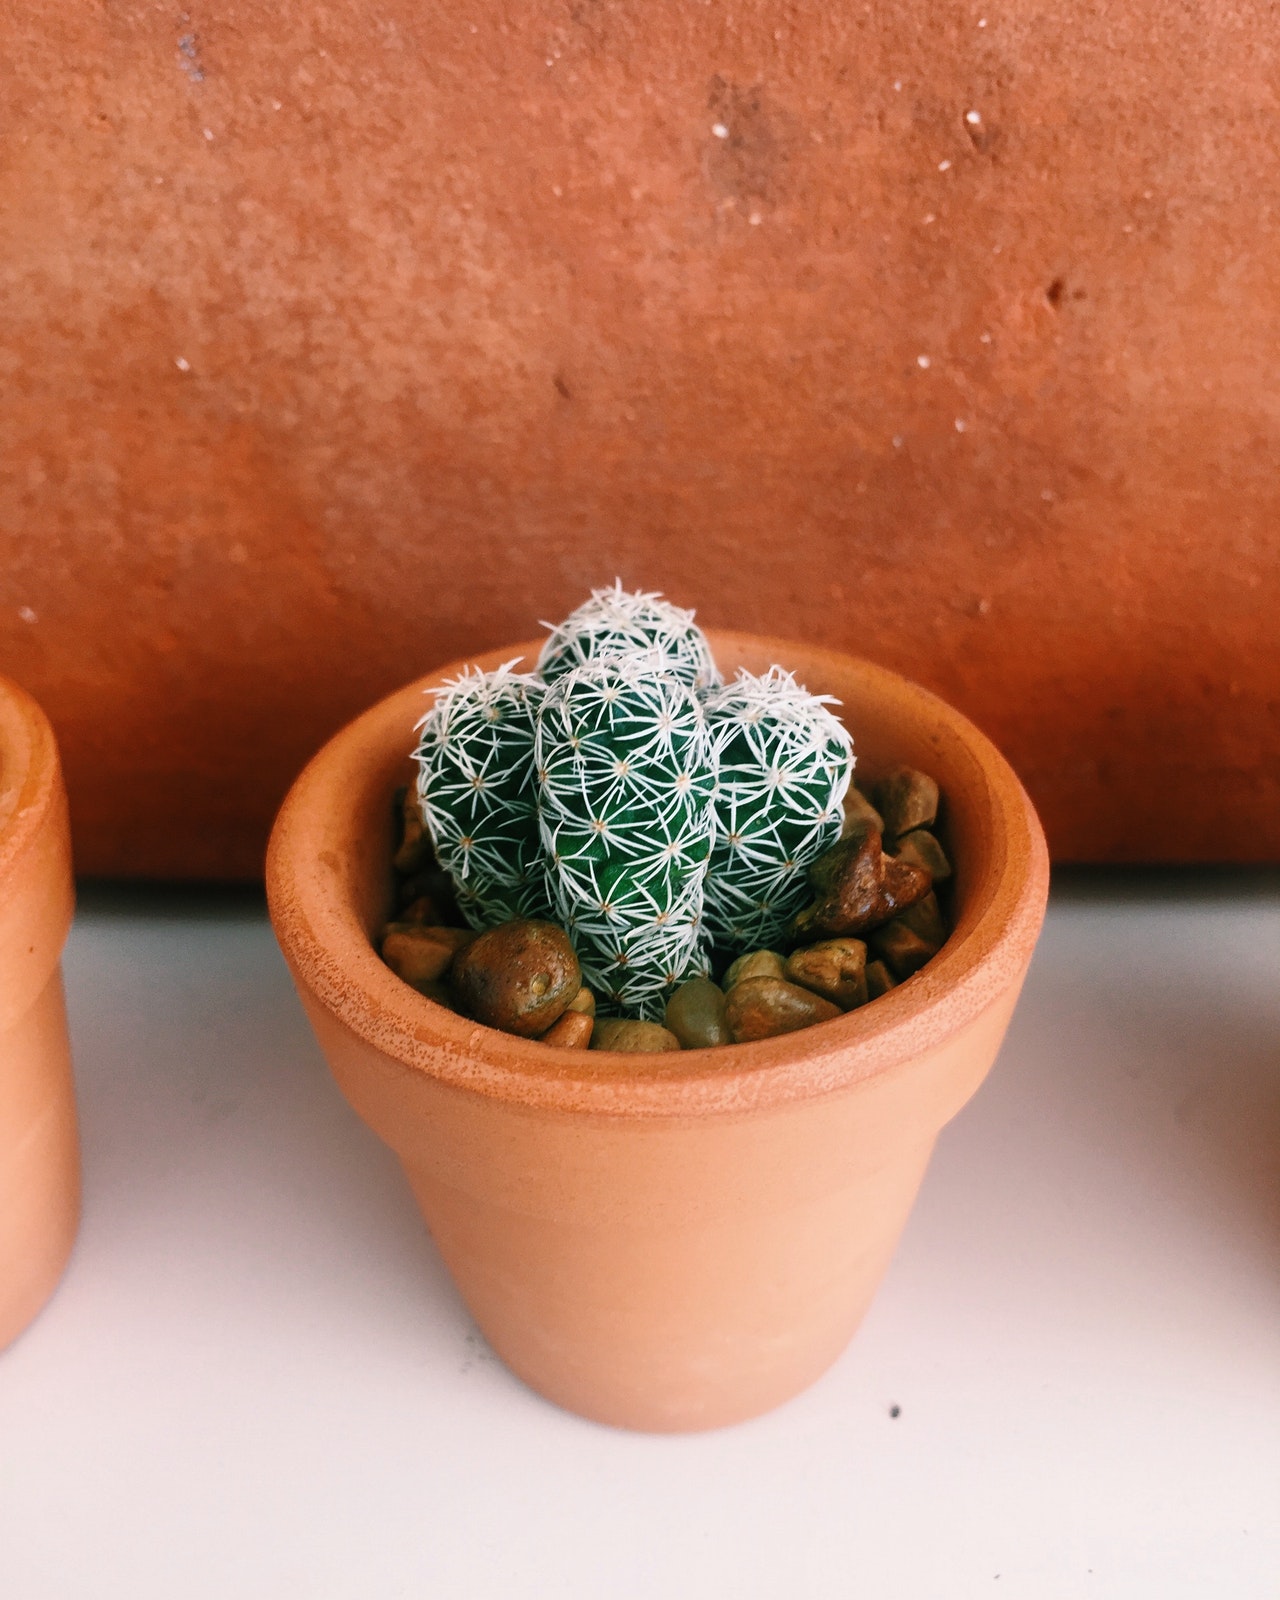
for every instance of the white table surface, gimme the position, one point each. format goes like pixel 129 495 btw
pixel 256 1379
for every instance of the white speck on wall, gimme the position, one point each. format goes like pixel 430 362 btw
pixel 961 425
pixel 1048 495
pixel 982 22
pixel 556 190
pixel 277 105
pixel 182 364
pixel 924 362
pixel 897 441
pixel 973 118
pixel 208 133
pixel 944 166
pixel 897 84
pixel 984 338
pixel 719 129
pixel 755 219
pixel 928 218
pixel 27 614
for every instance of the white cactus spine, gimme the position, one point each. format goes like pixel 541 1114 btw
pixel 477 793
pixel 616 622
pixel 784 765
pixel 625 771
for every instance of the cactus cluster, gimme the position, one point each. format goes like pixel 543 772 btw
pixel 625 792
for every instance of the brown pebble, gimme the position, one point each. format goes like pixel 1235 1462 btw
pixel 414 850
pixel 923 850
pixel 519 977
pixel 583 1001
pixel 858 888
pixel 696 1015
pixel 836 969
pixel 623 1034
pixel 879 980
pixel 905 952
pixel 421 954
pixel 859 813
pixel 423 911
pixel 913 938
pixel 906 799
pixel 762 1008
pixel 571 1032
pixel 902 885
pixel 755 964
pixel 435 884
pixel 925 918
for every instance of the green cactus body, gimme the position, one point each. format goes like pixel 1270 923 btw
pixel 626 776
pixel 784 766
pixel 614 622
pixel 478 796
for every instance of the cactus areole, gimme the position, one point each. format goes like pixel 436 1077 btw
pixel 623 791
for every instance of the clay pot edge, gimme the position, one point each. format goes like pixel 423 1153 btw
pixel 33 811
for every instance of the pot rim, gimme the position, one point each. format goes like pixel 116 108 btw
pixel 333 959
pixel 29 773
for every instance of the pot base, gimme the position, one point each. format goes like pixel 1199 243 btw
pixel 673 1328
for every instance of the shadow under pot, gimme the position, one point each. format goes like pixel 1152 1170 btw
pixel 39 1147
pixel 667 1241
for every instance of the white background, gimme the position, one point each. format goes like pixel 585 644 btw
pixel 256 1379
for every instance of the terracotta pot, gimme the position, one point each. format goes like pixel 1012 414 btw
pixel 39 1149
pixel 664 1242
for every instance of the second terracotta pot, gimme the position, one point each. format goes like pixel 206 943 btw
pixel 39 1149
pixel 676 1241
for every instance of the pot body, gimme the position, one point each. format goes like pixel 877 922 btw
pixel 670 1242
pixel 39 1147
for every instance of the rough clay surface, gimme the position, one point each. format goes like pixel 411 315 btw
pixel 339 342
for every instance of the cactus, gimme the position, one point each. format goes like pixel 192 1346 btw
pixel 625 772
pixel 614 622
pixel 477 794
pixel 784 765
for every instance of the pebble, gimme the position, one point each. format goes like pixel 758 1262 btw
pixel 859 813
pixel 696 1015
pixel 571 1032
pixel 906 799
pixel 422 911
pixel 414 850
pixel 859 887
pixel 583 1001
pixel 762 1008
pixel 879 980
pixel 421 954
pixel 836 969
pixel 902 885
pixel 755 964
pixel 901 949
pixel 925 918
pixel 519 976
pixel 921 849
pixel 624 1034
pixel 432 884
pixel 913 938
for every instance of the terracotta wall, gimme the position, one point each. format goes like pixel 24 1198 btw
pixel 340 338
